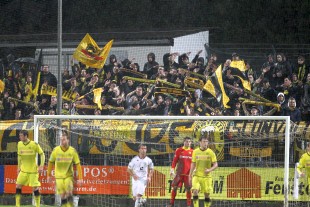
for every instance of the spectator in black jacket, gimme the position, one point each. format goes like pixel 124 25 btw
pixel 151 66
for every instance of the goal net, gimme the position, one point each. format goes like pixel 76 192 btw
pixel 256 156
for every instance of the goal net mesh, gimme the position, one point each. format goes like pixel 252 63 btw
pixel 250 155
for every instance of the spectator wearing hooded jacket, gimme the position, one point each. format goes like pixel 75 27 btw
pixel 151 66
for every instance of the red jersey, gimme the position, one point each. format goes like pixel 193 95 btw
pixel 182 159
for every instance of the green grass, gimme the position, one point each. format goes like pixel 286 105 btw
pixel 23 206
pixel 31 206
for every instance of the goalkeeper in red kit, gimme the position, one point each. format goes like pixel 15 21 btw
pixel 180 169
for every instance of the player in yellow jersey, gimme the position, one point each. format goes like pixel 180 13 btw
pixel 28 170
pixel 304 162
pixel 204 161
pixel 63 158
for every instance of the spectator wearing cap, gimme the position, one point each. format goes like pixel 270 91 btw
pixel 254 111
pixel 235 56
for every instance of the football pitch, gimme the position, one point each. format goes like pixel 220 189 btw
pixel 23 206
pixel 30 206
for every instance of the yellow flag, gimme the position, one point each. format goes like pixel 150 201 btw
pixel 238 64
pixel 90 54
pixel 215 87
pixel 2 86
pixel 36 88
pixel 97 97
pixel 210 88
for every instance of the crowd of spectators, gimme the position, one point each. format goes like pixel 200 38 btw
pixel 279 80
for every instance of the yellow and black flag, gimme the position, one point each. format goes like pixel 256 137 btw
pixel 215 87
pixel 90 54
pixel 2 86
pixel 236 72
pixel 97 97
pixel 238 64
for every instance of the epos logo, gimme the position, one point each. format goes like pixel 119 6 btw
pixel 243 183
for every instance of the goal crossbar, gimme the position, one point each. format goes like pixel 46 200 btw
pixel 196 118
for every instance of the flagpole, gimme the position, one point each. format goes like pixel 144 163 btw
pixel 59 81
pixel 59 85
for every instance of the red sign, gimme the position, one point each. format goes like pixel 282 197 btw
pixel 112 180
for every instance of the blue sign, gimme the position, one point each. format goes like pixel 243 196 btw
pixel 1 179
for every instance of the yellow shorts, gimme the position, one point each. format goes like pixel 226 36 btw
pixel 64 185
pixel 28 179
pixel 202 184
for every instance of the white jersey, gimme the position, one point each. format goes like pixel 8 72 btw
pixel 140 167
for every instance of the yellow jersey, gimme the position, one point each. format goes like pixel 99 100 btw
pixel 203 160
pixel 27 153
pixel 64 161
pixel 304 162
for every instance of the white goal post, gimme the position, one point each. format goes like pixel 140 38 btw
pixel 286 119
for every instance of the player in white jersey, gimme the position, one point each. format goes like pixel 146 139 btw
pixel 141 169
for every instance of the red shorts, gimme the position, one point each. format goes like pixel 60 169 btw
pixel 179 180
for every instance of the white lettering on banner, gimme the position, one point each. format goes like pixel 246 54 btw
pixel 48 188
pixel 96 172
pixel 9 180
pixel 113 182
pixel 44 180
